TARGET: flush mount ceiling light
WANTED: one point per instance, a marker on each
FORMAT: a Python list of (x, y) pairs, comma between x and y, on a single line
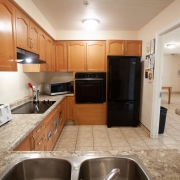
[(171, 45), (90, 23)]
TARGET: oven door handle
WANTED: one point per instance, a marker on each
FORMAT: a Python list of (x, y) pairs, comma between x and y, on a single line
[(89, 79)]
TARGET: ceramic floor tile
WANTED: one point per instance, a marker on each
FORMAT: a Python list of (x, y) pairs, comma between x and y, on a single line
[(84, 148), (120, 143), (139, 147), (101, 143), (153, 142), (137, 143), (71, 128)]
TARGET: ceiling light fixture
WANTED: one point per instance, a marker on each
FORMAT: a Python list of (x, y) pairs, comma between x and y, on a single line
[(171, 45), (90, 23)]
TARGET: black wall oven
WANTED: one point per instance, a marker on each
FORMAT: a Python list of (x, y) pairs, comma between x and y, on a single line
[(90, 87)]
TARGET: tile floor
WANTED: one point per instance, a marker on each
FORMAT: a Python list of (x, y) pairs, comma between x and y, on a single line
[(95, 138)]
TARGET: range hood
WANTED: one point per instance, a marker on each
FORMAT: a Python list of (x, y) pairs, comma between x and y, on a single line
[(26, 57)]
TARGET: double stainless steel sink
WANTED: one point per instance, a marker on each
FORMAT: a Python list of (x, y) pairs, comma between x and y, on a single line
[(75, 168)]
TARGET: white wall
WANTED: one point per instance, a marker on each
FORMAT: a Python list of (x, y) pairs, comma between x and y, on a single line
[(59, 77), (36, 15), (96, 35), (171, 66), (14, 85), (148, 32)]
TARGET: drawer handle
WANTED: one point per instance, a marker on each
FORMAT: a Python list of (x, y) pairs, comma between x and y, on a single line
[(40, 141), (39, 129), (33, 148)]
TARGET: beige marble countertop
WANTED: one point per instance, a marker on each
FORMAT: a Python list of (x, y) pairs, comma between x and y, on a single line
[(13, 132), (161, 164)]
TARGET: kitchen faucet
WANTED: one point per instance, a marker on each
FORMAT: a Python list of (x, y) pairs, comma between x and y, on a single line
[(114, 173), (35, 93)]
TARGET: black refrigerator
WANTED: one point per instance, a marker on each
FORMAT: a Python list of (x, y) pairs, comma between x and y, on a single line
[(124, 81)]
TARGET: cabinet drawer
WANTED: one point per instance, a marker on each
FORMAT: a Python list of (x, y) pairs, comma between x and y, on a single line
[(39, 141), (37, 131), (50, 116)]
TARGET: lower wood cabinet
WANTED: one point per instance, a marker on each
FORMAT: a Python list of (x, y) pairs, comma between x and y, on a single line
[(41, 139), (45, 135), (90, 114), (69, 107), (26, 144)]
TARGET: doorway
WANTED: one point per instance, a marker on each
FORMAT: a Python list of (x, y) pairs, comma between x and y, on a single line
[(158, 74)]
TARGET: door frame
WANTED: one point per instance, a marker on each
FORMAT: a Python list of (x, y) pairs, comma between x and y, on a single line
[(158, 74)]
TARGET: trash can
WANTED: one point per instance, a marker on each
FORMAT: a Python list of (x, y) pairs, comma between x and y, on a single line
[(162, 119)]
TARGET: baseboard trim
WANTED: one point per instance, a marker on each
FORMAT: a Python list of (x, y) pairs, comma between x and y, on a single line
[(144, 128)]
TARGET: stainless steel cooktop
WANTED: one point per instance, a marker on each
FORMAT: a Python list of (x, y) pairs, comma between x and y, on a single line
[(32, 107)]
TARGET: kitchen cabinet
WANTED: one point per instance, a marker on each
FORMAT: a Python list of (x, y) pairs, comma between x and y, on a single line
[(7, 37), (61, 56), (76, 55), (124, 47), (27, 33), (69, 108), (26, 144), (39, 142), (96, 56), (86, 55), (90, 114), (53, 61), (47, 67), (49, 135)]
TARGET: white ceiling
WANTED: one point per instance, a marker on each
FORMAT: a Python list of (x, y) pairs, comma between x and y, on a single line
[(125, 15), (172, 37)]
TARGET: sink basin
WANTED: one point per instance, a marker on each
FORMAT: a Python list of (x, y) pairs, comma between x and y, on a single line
[(32, 107), (40, 169), (97, 169), (34, 167)]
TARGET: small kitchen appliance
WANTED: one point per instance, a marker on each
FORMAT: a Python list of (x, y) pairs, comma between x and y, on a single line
[(5, 114), (56, 88)]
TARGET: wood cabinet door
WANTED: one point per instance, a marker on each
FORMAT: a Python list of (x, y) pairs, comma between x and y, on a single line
[(115, 47), (69, 108), (26, 144), (42, 45), (34, 38), (22, 30), (53, 61), (96, 56), (7, 37), (76, 56), (133, 48), (49, 136), (61, 56)]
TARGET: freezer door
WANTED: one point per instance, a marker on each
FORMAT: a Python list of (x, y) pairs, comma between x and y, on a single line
[(123, 114), (124, 78)]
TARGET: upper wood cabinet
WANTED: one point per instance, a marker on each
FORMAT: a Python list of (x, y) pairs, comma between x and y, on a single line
[(42, 45), (96, 56), (61, 56), (76, 55), (133, 48), (86, 56), (48, 56), (27, 33), (53, 60), (124, 47), (7, 37)]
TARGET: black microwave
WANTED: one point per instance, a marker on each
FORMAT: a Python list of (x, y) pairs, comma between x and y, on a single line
[(56, 88)]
